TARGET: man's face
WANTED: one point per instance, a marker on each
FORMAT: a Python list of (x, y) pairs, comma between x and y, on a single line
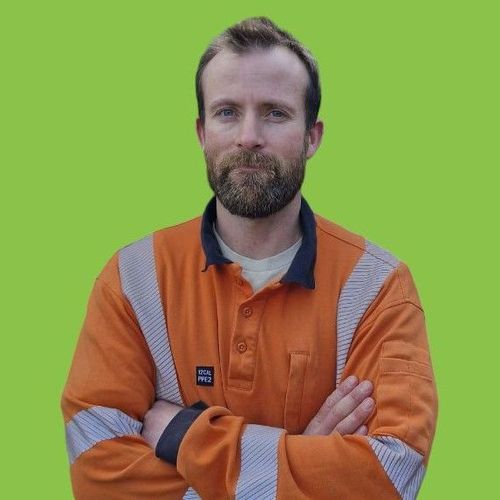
[(254, 137)]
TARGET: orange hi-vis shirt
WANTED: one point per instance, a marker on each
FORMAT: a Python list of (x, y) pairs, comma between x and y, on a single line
[(171, 318)]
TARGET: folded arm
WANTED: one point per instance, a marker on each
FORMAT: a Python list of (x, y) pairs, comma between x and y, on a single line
[(110, 388)]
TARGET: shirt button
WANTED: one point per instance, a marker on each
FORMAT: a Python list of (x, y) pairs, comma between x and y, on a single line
[(247, 312), (242, 347)]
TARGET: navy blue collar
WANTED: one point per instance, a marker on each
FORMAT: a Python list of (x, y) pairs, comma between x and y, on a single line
[(301, 270)]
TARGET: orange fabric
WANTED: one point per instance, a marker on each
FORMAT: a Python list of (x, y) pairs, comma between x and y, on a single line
[(274, 356)]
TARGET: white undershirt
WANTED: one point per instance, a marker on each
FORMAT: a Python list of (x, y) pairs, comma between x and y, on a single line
[(260, 272)]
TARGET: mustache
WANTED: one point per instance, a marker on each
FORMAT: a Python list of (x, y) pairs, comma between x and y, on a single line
[(253, 158)]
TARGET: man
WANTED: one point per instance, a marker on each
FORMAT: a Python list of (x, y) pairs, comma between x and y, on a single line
[(235, 355)]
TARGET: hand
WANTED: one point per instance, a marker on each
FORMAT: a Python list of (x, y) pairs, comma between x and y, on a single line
[(345, 409), (156, 419)]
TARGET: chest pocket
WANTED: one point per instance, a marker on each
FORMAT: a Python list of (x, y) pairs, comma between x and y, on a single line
[(295, 391)]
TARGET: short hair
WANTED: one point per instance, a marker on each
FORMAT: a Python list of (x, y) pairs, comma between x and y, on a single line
[(261, 32)]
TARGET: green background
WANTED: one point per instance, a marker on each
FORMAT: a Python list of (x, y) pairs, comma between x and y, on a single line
[(98, 149)]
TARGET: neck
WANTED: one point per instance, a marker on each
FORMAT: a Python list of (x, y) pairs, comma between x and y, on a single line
[(260, 238)]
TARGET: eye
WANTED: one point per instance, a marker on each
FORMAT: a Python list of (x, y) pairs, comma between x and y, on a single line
[(276, 113), (225, 112)]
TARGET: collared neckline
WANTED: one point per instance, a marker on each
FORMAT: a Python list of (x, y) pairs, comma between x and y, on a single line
[(301, 270)]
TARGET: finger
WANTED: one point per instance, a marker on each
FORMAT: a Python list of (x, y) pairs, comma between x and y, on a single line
[(350, 402), (361, 431), (319, 423), (342, 390), (356, 418)]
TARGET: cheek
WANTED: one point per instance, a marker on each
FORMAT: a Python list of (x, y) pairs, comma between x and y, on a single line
[(213, 153), (216, 144), (291, 145), (219, 134)]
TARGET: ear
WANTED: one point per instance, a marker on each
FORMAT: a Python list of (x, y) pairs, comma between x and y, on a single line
[(200, 132), (314, 138)]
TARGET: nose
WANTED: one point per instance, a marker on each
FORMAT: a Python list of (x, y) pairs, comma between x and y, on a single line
[(250, 133)]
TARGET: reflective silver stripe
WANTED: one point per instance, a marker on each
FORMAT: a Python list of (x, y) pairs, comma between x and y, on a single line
[(191, 495), (259, 463), (96, 424), (358, 293), (403, 464), (140, 286)]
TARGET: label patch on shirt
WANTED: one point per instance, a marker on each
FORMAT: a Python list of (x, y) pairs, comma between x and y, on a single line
[(204, 375)]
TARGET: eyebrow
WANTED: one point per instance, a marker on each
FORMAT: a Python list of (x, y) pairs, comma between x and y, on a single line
[(266, 104)]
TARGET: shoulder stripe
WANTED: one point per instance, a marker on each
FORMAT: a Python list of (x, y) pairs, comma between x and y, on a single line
[(140, 286), (359, 291), (259, 463), (96, 424), (402, 464)]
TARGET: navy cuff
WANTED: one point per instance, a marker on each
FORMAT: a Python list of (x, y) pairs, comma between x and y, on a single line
[(169, 443)]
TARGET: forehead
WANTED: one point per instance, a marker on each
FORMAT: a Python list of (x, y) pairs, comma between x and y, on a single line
[(262, 74)]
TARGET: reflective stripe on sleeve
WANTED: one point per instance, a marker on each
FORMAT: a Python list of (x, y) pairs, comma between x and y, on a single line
[(359, 291), (259, 463), (191, 495), (140, 286), (96, 424), (402, 464)]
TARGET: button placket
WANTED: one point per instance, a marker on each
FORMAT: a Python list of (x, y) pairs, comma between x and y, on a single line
[(244, 343)]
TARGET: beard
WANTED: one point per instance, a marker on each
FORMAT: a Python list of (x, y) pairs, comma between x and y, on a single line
[(258, 192)]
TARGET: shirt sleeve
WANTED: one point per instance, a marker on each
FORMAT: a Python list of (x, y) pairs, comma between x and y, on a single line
[(109, 389), (223, 456)]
